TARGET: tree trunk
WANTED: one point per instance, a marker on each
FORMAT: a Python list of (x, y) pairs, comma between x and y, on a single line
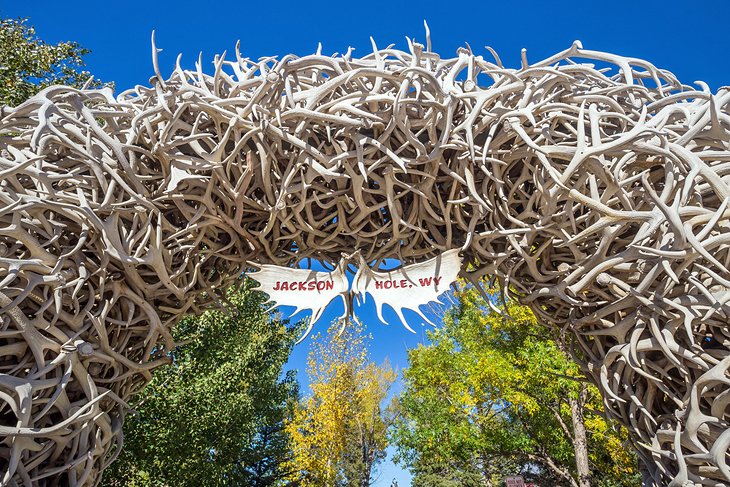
[(367, 464), (580, 439), (548, 462)]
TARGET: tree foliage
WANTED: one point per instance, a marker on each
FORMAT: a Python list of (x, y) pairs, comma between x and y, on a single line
[(339, 433), (29, 64), (215, 417), (491, 397)]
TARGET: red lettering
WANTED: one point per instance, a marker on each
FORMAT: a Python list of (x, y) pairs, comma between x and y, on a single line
[(403, 283), (277, 286), (320, 286), (388, 284), (425, 281), (284, 286), (378, 284), (311, 285), (302, 286), (329, 285), (437, 280)]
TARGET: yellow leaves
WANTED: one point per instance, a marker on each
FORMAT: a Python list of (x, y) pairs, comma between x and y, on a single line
[(344, 408), (501, 382), (620, 458)]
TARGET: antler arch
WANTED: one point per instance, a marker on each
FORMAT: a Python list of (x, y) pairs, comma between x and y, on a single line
[(598, 195)]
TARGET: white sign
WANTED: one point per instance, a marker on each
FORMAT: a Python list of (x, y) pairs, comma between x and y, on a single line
[(408, 287), (302, 288), (405, 288)]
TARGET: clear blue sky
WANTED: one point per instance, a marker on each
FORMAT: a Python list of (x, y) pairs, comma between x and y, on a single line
[(690, 39)]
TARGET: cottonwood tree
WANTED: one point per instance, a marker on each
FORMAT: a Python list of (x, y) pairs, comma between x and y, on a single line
[(339, 432), (29, 64), (215, 417), (493, 396)]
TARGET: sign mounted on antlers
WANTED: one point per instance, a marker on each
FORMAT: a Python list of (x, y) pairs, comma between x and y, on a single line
[(595, 187), (407, 287)]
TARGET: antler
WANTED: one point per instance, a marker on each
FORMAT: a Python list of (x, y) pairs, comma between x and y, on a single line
[(597, 196)]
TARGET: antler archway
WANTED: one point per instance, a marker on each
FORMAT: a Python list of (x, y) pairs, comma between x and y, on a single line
[(597, 193)]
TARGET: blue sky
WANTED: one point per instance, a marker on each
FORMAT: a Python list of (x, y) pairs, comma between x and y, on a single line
[(689, 39)]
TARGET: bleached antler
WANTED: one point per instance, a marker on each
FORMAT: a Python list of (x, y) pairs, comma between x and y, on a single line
[(597, 196)]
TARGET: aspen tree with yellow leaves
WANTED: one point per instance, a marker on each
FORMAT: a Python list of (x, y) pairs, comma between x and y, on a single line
[(339, 432)]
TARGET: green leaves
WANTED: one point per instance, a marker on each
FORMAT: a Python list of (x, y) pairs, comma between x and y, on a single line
[(215, 417), (490, 398), (28, 64)]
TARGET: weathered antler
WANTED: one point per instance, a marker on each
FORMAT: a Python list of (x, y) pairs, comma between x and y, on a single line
[(598, 196)]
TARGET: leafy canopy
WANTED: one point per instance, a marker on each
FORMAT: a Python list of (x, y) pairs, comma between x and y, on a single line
[(489, 398), (215, 417), (29, 64), (339, 432)]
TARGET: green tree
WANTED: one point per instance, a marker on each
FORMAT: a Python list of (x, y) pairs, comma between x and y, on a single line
[(339, 433), (28, 64), (494, 396), (215, 417)]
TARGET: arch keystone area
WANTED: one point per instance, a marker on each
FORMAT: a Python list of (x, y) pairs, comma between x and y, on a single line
[(598, 197)]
